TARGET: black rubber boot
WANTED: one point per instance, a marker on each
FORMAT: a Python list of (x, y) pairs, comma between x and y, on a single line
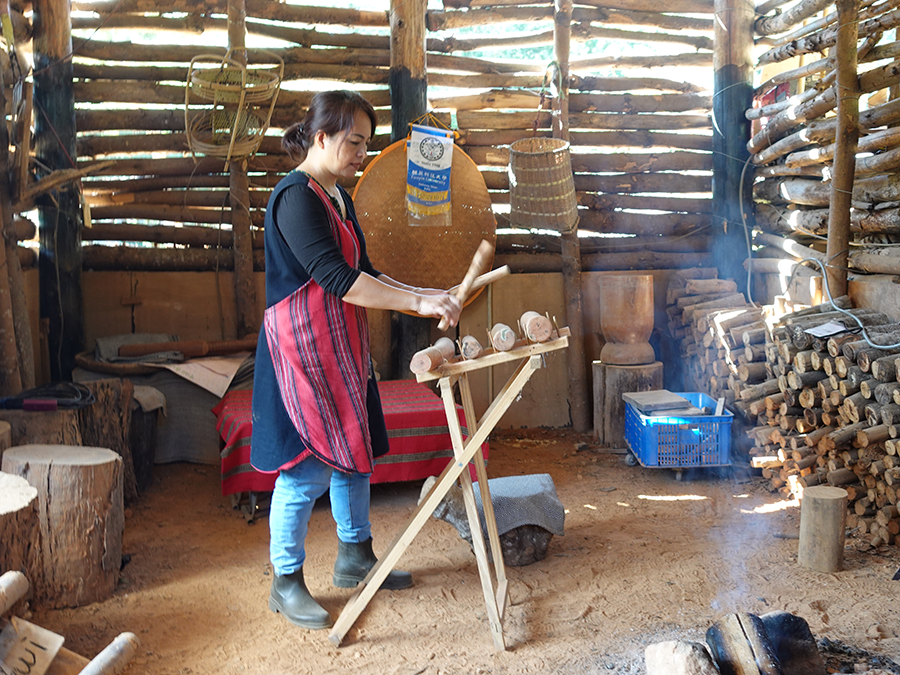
[(354, 562), (290, 597)]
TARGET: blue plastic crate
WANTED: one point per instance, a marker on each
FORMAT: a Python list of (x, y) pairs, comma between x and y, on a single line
[(674, 442)]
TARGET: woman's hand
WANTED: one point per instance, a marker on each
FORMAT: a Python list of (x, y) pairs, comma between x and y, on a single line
[(440, 305)]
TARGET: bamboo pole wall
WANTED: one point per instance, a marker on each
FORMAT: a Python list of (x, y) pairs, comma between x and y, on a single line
[(640, 136), (803, 180)]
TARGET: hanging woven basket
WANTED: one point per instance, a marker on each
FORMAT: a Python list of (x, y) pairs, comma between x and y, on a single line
[(226, 133), (226, 80), (541, 185), (242, 98)]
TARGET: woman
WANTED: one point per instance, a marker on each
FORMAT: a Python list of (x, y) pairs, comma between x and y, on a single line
[(317, 418)]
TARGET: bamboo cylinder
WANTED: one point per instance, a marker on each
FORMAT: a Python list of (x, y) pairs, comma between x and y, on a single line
[(536, 327), (823, 513), (470, 347), (431, 357), (502, 337)]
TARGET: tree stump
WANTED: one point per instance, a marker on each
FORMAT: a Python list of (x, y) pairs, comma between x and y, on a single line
[(20, 529), (823, 516), (81, 515), (610, 382)]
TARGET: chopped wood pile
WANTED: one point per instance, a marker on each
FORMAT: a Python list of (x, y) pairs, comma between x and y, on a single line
[(828, 412), (709, 317), (796, 135)]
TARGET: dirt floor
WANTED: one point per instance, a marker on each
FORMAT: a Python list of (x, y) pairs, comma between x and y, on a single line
[(645, 558)]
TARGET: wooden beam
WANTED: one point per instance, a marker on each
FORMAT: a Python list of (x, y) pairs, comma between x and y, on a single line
[(732, 76), (837, 250), (408, 81)]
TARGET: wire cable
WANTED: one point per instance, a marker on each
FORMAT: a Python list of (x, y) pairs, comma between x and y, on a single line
[(864, 334), (54, 396)]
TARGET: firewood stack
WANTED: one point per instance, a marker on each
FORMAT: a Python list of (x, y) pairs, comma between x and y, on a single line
[(709, 317), (829, 413)]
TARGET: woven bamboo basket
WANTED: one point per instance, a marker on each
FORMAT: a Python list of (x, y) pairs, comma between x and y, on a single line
[(541, 185), (226, 133), (226, 80)]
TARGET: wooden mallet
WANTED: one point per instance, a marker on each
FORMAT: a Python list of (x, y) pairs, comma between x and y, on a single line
[(480, 260)]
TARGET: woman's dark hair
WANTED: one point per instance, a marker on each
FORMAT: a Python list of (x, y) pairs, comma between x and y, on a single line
[(329, 111)]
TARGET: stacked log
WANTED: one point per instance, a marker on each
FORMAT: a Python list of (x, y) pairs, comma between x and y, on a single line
[(794, 141), (827, 414), (713, 322)]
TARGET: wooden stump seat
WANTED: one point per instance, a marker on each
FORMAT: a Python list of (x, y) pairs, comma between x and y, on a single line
[(81, 518)]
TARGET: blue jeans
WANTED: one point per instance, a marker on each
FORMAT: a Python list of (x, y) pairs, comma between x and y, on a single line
[(295, 494)]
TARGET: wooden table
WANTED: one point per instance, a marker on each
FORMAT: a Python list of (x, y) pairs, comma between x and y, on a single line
[(465, 450)]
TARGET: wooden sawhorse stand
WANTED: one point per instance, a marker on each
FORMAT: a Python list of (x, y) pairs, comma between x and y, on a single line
[(464, 451)]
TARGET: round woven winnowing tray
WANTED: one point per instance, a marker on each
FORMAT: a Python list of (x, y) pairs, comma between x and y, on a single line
[(433, 256)]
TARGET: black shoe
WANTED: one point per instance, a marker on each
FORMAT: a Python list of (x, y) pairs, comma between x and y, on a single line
[(354, 562), (290, 597)]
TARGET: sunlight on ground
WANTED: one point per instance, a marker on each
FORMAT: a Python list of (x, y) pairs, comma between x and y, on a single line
[(673, 498), (783, 505)]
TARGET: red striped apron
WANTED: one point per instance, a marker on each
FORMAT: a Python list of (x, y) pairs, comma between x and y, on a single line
[(320, 349)]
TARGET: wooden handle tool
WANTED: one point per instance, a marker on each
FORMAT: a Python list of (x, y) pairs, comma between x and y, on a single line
[(480, 260), (190, 348)]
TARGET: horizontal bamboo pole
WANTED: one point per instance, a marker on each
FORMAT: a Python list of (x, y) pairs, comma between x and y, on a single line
[(638, 260), (626, 201), (163, 234), (441, 21), (584, 32), (530, 243), (609, 162), (130, 258), (529, 81), (491, 41), (524, 120), (623, 139), (675, 6), (625, 222), (588, 83), (651, 182), (168, 212), (685, 60), (194, 198), (637, 103), (605, 15)]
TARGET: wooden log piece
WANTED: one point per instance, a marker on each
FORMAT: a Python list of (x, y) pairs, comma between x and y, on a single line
[(431, 357), (470, 347), (13, 587), (81, 514), (536, 327), (823, 513), (738, 642), (502, 337), (20, 530)]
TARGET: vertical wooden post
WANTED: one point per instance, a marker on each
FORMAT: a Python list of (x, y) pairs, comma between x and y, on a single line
[(579, 393), (10, 377), (59, 215), (409, 90), (837, 249), (732, 96), (239, 184)]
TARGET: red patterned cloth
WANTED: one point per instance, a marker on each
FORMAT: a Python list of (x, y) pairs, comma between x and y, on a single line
[(417, 429)]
